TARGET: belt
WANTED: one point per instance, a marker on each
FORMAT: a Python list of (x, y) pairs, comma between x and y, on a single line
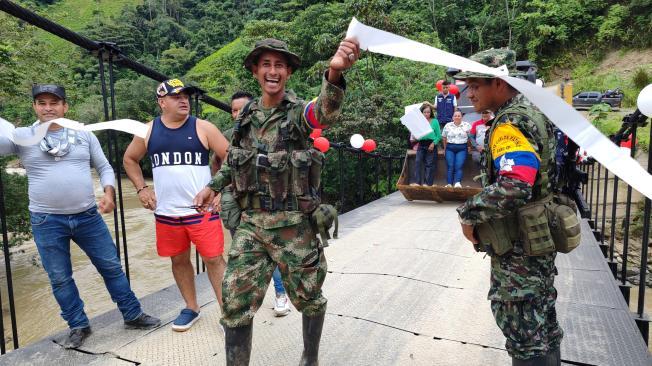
[(184, 220), (266, 203)]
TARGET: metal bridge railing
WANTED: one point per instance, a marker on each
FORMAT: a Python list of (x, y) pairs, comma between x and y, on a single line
[(602, 192)]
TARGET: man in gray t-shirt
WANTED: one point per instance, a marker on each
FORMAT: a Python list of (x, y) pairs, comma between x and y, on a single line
[(62, 208)]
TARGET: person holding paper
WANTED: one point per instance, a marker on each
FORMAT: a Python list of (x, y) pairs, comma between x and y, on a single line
[(427, 149), (275, 175), (178, 146), (62, 208), (518, 158)]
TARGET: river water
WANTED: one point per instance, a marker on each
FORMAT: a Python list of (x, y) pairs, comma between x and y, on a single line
[(36, 309)]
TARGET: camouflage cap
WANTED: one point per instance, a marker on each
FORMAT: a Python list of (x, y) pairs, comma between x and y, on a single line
[(274, 45), (492, 58)]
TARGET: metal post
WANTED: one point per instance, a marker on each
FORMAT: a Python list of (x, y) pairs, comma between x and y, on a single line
[(584, 190), (10, 284), (389, 175), (642, 321), (196, 260), (100, 56), (360, 196), (604, 247), (613, 265), (118, 167), (624, 287), (340, 159), (377, 160), (604, 206), (590, 193), (596, 232), (197, 114)]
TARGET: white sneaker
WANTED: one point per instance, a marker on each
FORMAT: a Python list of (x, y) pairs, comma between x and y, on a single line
[(448, 186), (457, 185), (281, 305)]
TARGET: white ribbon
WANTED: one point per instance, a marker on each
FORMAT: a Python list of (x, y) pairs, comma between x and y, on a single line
[(27, 136), (570, 121)]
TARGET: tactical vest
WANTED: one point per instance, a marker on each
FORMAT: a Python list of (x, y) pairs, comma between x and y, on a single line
[(282, 176), (527, 226)]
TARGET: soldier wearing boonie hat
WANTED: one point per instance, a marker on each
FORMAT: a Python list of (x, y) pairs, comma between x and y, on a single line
[(275, 175), (516, 166)]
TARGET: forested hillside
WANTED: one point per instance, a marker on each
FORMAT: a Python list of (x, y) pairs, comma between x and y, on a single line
[(205, 41)]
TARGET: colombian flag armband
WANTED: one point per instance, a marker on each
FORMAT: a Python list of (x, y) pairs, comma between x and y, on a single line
[(512, 154), (310, 115)]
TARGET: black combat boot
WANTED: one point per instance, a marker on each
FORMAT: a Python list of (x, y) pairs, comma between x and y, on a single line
[(237, 342), (312, 326), (535, 361)]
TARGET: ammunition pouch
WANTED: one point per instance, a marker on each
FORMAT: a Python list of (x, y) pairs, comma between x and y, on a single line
[(533, 228), (301, 162), (496, 236), (231, 211), (277, 181), (243, 165), (564, 224)]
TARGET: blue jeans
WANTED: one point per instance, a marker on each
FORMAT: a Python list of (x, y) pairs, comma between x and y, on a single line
[(455, 156), (430, 160), (52, 234), (278, 283)]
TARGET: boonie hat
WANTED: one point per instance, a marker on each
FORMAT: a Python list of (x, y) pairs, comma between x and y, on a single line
[(53, 89), (493, 58), (173, 87), (271, 44)]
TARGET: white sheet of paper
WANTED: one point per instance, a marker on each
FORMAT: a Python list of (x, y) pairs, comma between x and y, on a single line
[(416, 123), (412, 106), (571, 122)]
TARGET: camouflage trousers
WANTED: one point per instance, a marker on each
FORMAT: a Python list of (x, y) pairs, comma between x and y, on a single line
[(523, 300), (254, 254)]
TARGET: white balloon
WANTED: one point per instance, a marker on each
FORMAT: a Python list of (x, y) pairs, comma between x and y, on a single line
[(644, 101), (357, 140)]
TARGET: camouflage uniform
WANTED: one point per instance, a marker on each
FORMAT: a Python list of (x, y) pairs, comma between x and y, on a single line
[(522, 294), (275, 230)]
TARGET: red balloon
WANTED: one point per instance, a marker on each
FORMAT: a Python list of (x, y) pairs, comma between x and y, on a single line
[(322, 144), (454, 89), (315, 133), (439, 84), (369, 145)]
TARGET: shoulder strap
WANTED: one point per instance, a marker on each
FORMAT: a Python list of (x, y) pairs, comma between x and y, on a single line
[(238, 127)]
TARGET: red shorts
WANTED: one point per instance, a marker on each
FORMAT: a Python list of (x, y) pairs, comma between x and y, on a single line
[(174, 234)]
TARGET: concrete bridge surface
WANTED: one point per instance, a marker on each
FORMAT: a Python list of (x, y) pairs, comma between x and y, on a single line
[(404, 288)]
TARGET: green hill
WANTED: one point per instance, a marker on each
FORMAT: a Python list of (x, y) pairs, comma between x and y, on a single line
[(75, 15)]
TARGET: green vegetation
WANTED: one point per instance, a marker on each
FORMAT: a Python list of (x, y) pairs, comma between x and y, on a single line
[(585, 77), (206, 40)]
